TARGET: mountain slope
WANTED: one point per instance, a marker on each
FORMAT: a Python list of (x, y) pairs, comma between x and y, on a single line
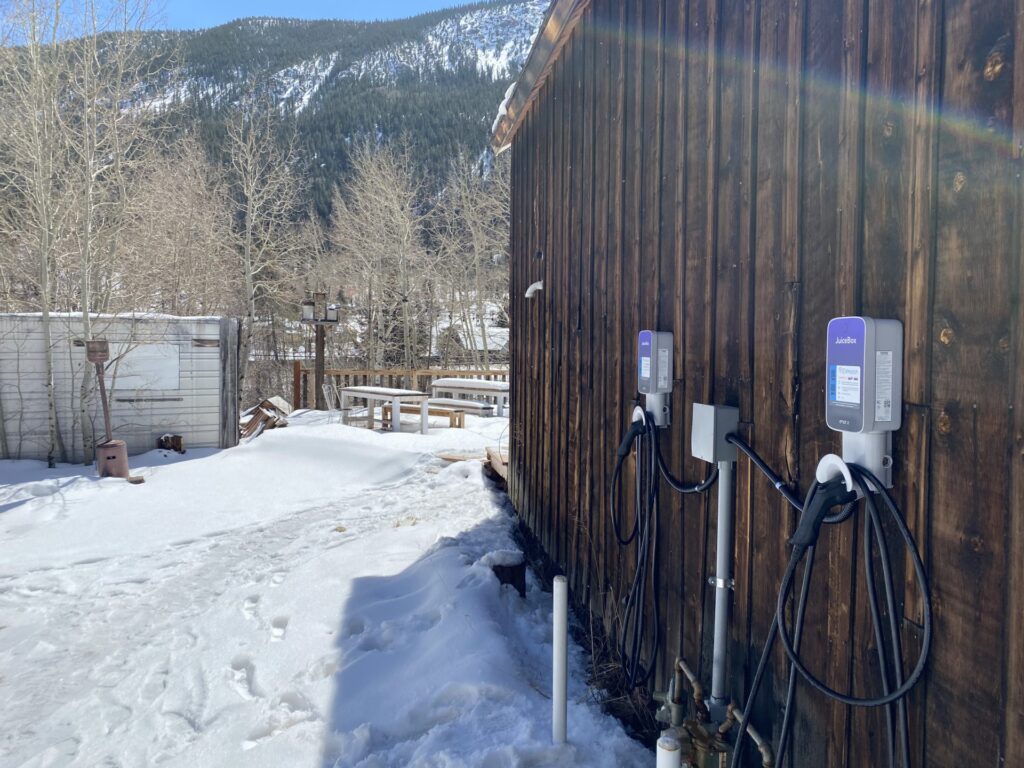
[(435, 79)]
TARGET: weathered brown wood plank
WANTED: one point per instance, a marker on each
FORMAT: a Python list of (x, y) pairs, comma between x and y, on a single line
[(696, 323), (585, 325), (599, 452), (626, 319), (1013, 726), (774, 332), (558, 301), (734, 269), (830, 245), (1018, 83), (746, 249), (670, 304), (544, 305), (888, 163), (516, 219), (617, 166), (649, 295), (538, 271), (575, 514), (970, 379)]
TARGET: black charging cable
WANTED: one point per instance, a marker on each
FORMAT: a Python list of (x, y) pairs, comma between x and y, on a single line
[(780, 484), (643, 434), (814, 513), (643, 533), (678, 485), (767, 471)]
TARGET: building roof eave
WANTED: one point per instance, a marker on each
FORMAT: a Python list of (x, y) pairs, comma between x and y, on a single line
[(555, 31)]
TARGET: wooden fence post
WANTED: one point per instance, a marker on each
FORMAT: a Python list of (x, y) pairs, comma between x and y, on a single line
[(296, 383)]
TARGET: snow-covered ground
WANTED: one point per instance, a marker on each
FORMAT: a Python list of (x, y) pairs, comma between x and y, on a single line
[(318, 597)]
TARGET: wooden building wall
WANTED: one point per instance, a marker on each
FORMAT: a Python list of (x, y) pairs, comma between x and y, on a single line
[(738, 173)]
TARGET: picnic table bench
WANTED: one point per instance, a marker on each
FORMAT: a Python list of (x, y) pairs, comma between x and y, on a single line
[(474, 387), (454, 411), (387, 395)]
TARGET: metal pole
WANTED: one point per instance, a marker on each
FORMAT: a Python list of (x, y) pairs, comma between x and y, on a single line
[(106, 405), (318, 381), (723, 584)]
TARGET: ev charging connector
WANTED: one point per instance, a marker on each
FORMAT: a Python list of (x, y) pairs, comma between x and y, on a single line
[(654, 373), (864, 401)]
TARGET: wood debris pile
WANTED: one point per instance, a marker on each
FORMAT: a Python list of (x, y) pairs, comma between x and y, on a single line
[(271, 413)]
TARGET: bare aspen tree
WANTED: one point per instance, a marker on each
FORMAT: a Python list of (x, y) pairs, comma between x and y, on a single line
[(265, 190), (74, 141), (176, 253), (470, 231), (110, 141), (33, 82), (378, 231)]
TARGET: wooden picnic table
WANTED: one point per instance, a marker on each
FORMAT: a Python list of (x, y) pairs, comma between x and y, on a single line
[(478, 387), (387, 395)]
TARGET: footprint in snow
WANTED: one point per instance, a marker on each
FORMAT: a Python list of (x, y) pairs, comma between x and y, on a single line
[(42, 489), (277, 578), (322, 668), (290, 709), (243, 677), (250, 606), (278, 627)]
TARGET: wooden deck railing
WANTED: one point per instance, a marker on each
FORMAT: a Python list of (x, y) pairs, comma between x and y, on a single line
[(418, 379)]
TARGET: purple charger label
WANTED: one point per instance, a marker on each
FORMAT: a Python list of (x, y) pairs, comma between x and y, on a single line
[(646, 341), (846, 341)]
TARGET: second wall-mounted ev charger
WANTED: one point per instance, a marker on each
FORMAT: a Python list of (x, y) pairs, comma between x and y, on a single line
[(654, 373)]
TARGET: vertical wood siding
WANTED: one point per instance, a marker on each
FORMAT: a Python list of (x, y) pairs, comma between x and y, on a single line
[(738, 173)]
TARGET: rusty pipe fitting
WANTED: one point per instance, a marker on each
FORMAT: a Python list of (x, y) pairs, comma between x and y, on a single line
[(733, 715), (682, 670)]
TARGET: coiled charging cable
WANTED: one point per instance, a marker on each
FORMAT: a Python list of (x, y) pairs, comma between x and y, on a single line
[(814, 513), (644, 533)]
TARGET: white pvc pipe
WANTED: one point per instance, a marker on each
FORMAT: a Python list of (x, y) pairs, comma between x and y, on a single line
[(670, 754), (559, 666)]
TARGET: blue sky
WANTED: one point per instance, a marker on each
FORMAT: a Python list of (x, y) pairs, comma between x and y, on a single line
[(195, 14)]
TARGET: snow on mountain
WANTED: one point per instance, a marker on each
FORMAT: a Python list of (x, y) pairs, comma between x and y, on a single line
[(494, 41), (298, 84)]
